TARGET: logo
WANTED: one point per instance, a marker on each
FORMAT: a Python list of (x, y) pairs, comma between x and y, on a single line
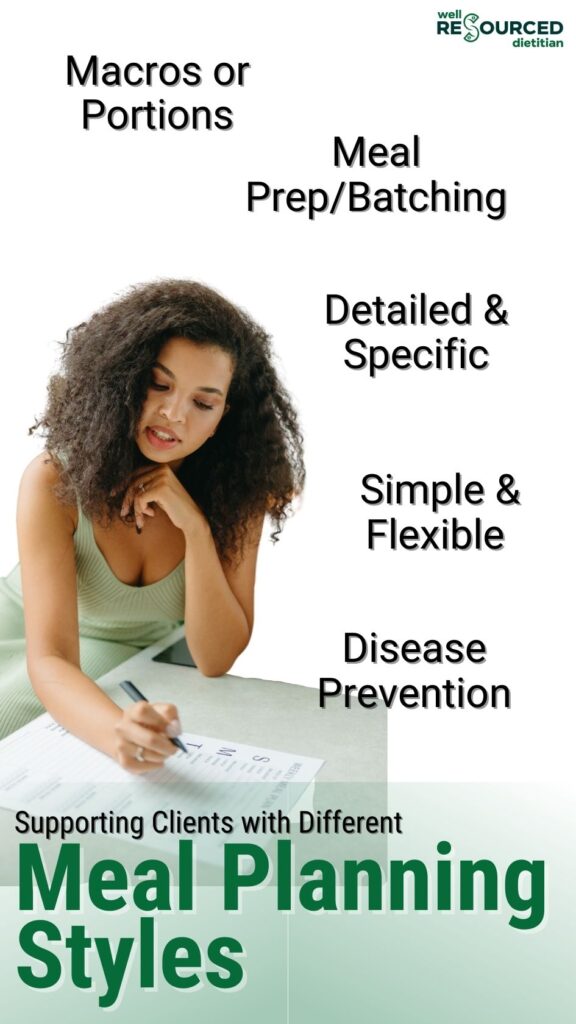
[(471, 27)]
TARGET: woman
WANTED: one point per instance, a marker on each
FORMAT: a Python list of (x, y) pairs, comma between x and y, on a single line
[(168, 438)]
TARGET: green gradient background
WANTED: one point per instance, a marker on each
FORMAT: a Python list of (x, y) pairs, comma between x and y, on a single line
[(411, 968)]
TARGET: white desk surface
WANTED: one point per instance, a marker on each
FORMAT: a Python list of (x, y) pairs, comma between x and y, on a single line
[(283, 716)]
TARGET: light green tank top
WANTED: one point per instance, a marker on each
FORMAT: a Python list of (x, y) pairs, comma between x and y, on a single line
[(111, 610)]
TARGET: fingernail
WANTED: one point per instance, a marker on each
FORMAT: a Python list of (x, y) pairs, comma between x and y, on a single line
[(138, 528), (174, 728)]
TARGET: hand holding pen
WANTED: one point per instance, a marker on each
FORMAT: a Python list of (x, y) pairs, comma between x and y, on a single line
[(146, 733)]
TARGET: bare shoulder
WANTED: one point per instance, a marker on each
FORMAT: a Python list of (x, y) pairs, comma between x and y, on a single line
[(37, 496)]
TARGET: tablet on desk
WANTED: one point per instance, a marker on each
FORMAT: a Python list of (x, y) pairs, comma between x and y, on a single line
[(176, 654)]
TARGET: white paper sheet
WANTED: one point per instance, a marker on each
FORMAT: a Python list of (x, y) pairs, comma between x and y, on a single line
[(45, 770)]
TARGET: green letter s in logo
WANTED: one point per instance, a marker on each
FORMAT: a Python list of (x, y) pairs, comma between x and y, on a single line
[(469, 23)]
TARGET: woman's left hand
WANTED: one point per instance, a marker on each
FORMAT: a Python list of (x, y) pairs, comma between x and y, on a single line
[(158, 486)]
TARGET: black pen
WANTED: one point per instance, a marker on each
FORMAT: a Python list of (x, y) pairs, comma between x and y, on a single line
[(135, 694)]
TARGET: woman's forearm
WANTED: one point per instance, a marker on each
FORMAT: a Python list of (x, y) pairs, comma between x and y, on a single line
[(139, 738), (217, 629), (76, 701)]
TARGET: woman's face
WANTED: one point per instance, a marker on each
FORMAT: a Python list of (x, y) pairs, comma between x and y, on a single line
[(185, 402)]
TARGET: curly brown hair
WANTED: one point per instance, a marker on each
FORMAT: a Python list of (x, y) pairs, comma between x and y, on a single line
[(252, 465)]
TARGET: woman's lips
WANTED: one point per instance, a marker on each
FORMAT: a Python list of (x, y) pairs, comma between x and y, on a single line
[(160, 438)]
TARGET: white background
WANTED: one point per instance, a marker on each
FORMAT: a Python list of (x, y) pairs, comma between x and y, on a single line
[(89, 213)]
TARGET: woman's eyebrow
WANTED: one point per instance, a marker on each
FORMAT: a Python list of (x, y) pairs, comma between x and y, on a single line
[(206, 390), (160, 366)]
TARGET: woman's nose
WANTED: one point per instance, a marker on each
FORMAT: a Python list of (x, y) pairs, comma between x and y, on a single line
[(172, 408)]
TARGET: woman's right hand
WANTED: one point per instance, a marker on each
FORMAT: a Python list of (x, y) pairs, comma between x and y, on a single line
[(143, 736)]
